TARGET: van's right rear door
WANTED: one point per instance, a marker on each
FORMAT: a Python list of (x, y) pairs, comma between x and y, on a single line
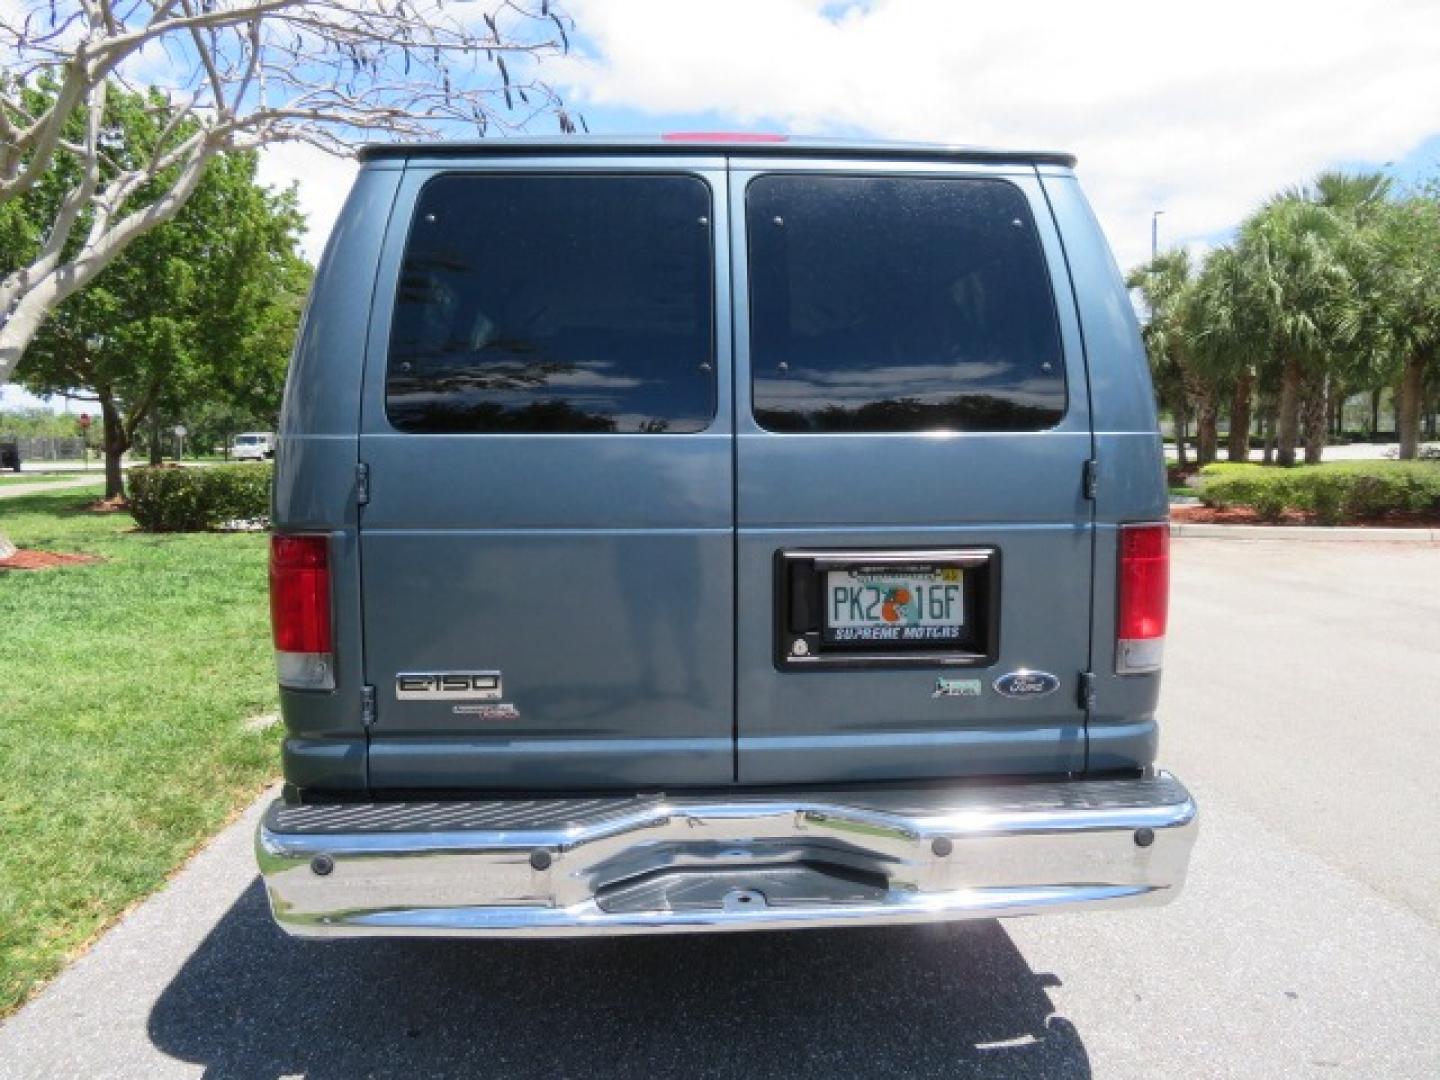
[(914, 540)]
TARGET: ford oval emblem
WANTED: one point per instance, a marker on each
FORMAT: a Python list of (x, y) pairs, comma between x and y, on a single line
[(1025, 683)]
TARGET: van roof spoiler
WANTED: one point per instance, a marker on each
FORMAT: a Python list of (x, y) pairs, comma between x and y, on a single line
[(733, 144)]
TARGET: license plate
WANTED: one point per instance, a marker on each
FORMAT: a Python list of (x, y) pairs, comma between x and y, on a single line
[(895, 603)]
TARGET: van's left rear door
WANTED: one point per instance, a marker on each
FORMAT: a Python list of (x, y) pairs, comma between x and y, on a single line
[(548, 548)]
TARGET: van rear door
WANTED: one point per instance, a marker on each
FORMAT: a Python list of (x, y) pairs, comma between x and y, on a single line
[(914, 540), (547, 549)]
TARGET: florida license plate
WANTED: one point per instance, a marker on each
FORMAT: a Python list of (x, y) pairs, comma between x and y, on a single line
[(895, 603)]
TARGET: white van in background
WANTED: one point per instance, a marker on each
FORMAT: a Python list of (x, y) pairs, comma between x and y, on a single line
[(253, 446)]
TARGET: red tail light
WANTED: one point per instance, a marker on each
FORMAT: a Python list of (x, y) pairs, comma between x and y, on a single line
[(300, 611), (1144, 587)]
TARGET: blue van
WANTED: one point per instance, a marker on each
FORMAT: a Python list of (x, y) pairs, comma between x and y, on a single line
[(717, 533)]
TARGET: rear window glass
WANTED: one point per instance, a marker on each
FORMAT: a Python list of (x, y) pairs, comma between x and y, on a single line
[(887, 304), (555, 304)]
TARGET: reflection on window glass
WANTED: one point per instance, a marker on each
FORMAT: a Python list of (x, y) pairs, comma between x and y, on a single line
[(555, 304), (899, 304)]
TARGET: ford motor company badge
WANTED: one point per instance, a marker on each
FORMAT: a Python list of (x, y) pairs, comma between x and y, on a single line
[(1026, 683)]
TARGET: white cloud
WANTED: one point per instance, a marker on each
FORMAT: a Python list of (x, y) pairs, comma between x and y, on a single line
[(1199, 109), (324, 181)]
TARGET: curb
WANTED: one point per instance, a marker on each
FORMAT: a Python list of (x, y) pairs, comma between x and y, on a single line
[(1304, 533)]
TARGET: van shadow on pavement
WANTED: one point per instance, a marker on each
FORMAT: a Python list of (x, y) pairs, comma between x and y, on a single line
[(948, 1001)]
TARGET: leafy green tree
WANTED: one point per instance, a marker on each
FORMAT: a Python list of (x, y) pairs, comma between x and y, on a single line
[(200, 308), (36, 423)]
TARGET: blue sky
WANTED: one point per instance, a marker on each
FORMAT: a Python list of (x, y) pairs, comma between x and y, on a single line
[(1420, 165)]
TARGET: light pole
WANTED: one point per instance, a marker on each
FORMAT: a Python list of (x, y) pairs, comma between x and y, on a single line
[(1155, 234)]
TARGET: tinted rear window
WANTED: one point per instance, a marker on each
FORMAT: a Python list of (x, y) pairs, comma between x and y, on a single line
[(882, 304), (555, 304)]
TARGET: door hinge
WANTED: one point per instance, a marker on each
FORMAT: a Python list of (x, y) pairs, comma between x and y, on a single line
[(362, 483), (1087, 690), (367, 705), (1090, 478)]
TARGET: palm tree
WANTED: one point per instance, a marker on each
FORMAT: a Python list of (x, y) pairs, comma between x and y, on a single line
[(1165, 285), (1228, 337), (1403, 299), (1360, 197), (1299, 282), (1361, 201)]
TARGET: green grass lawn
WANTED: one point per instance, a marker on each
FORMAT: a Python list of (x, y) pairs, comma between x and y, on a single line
[(124, 690)]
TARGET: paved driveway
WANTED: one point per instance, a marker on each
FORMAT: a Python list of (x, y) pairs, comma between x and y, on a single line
[(1302, 703)]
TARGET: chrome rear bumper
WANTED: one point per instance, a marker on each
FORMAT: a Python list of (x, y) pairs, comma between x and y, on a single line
[(656, 863)]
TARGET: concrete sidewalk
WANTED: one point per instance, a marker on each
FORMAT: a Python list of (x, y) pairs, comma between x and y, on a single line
[(1333, 451), (94, 1019), (14, 491), (1333, 534)]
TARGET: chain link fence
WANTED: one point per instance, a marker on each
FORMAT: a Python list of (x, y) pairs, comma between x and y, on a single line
[(39, 448)]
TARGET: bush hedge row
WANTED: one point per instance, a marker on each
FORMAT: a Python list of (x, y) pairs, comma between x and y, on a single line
[(1337, 493), (170, 499)]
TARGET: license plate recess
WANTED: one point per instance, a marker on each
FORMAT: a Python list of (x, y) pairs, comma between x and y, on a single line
[(918, 607)]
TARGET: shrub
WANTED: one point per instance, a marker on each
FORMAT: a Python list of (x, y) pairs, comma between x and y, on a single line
[(1225, 468), (1336, 493), (170, 499)]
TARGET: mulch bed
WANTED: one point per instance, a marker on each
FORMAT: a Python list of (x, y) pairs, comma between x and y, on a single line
[(1240, 515), (107, 506), (44, 560)]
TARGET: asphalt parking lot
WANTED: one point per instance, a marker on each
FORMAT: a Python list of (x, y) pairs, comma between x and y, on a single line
[(1301, 704)]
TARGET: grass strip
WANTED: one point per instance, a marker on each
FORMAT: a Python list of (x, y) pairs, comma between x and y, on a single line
[(124, 690)]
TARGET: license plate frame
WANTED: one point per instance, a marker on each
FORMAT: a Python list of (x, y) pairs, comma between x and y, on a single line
[(807, 640)]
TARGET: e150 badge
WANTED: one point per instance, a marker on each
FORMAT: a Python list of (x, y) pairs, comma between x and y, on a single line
[(448, 686)]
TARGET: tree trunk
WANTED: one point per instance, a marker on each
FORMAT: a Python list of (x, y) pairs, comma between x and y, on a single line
[(1182, 421), (115, 444), (1206, 427), (1239, 448), (1288, 434), (1315, 418), (1267, 425), (1407, 409), (155, 456), (1375, 412)]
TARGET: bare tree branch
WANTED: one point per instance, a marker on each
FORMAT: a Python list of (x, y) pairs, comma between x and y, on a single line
[(238, 74)]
